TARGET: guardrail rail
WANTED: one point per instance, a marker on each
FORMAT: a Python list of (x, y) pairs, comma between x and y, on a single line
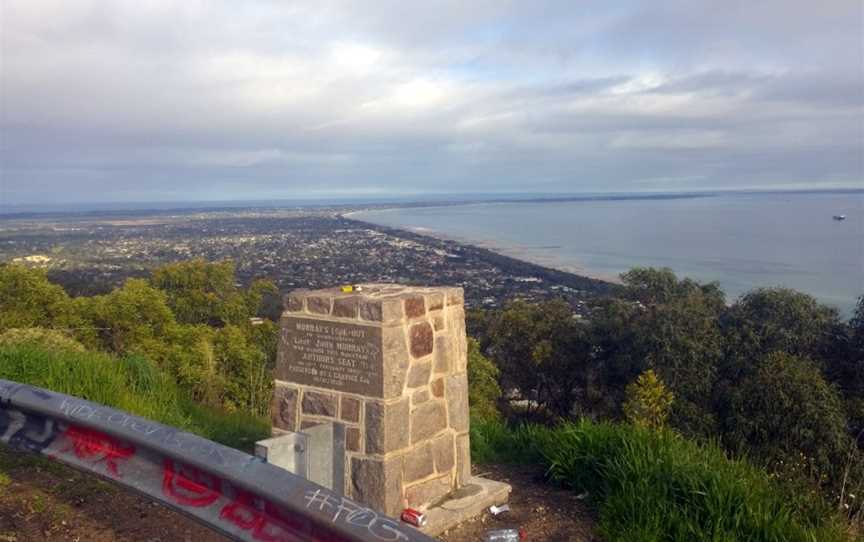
[(234, 493)]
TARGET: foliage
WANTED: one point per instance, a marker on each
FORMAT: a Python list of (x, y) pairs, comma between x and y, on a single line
[(657, 485), (200, 292), (132, 384), (483, 389), (648, 401), (191, 320), (247, 383), (542, 352), (28, 300), (48, 339), (774, 320), (784, 410)]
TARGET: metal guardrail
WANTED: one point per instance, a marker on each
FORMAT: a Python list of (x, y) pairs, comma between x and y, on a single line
[(234, 493)]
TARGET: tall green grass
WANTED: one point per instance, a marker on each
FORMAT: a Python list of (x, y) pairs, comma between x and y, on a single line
[(658, 486), (132, 384)]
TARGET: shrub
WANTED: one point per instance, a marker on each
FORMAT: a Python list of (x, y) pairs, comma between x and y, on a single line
[(47, 339), (483, 389), (132, 384), (648, 401), (657, 485), (785, 410)]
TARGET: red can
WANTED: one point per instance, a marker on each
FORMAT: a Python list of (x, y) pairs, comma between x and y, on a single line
[(414, 517)]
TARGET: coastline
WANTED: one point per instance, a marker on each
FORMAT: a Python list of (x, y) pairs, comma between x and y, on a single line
[(517, 253), (508, 253)]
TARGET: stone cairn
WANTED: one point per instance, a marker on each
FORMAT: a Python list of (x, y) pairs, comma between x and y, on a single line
[(389, 363)]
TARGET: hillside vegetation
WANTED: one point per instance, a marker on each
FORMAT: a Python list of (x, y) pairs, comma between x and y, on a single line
[(775, 379), (678, 416)]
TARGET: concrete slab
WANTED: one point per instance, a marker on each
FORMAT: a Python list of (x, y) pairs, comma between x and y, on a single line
[(465, 503)]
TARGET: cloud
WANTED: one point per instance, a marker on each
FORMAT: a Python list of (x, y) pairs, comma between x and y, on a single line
[(147, 100)]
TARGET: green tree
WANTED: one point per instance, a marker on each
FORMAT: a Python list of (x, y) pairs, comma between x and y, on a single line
[(672, 327), (132, 319), (648, 401), (247, 382), (785, 410), (200, 292), (28, 299), (483, 389), (775, 320), (651, 286), (543, 353)]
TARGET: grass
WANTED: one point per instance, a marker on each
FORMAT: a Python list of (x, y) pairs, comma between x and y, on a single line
[(658, 486), (132, 384)]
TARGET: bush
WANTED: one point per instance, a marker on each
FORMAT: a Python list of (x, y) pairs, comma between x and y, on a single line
[(785, 411), (483, 389), (132, 384), (657, 485), (47, 339), (648, 401)]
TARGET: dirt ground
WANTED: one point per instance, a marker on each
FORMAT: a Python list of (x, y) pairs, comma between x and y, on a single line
[(44, 501)]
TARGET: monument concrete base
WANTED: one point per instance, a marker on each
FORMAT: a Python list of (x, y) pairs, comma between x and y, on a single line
[(469, 501)]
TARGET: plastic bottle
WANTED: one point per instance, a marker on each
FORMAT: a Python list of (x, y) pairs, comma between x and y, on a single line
[(504, 535)]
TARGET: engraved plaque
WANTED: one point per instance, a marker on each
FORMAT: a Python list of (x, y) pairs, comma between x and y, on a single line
[(333, 355)]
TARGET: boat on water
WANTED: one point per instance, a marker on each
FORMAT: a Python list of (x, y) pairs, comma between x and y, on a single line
[(839, 217)]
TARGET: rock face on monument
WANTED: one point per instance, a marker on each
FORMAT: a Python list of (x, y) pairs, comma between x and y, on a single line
[(389, 362)]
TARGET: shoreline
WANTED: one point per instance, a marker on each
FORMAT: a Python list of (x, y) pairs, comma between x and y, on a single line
[(515, 254)]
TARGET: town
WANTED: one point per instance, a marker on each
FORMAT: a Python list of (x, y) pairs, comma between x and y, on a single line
[(296, 248)]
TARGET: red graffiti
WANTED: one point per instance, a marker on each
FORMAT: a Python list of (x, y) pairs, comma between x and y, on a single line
[(94, 446), (189, 486), (267, 525)]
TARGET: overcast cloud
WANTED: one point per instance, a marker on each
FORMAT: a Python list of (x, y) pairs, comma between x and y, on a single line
[(197, 100)]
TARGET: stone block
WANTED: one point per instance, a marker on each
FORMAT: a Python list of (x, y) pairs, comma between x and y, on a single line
[(395, 360), (419, 374), (418, 463), (436, 301), (370, 310), (443, 451), (456, 296), (443, 353), (350, 411), (438, 387), (293, 302), (420, 396), (353, 439), (386, 425), (421, 340), (306, 424), (463, 459), (415, 307), (381, 310), (319, 404), (427, 492), (457, 401), (283, 409), (377, 483), (427, 420), (438, 322), (318, 304), (345, 307)]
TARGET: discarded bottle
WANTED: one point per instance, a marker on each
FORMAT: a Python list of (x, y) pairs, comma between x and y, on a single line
[(504, 535)]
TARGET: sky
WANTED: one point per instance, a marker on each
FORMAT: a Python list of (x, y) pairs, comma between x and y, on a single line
[(161, 100)]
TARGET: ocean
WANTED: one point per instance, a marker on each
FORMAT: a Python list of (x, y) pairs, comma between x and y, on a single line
[(741, 240)]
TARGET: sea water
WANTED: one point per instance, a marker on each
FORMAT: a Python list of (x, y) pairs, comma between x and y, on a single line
[(742, 240)]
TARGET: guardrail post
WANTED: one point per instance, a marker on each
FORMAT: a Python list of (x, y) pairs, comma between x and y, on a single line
[(317, 453)]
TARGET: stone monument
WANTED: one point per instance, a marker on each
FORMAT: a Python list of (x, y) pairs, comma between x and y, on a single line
[(389, 363)]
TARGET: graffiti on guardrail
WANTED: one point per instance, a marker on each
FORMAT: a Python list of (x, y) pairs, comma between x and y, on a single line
[(226, 489)]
